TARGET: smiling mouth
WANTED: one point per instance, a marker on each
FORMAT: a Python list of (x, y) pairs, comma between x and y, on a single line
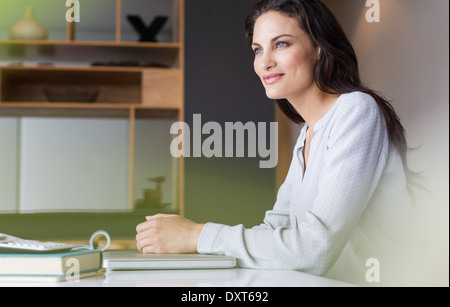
[(272, 78)]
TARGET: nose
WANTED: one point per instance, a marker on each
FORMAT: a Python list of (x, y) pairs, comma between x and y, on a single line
[(267, 61)]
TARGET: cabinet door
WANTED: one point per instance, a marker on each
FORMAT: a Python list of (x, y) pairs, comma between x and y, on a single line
[(74, 164), (8, 163), (162, 88)]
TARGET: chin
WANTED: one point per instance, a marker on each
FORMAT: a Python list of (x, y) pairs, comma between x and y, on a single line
[(274, 96), (275, 92)]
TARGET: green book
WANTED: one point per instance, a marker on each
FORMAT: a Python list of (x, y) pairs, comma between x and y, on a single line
[(78, 263)]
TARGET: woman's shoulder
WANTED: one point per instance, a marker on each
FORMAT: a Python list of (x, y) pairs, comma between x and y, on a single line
[(356, 114), (357, 105), (356, 108), (358, 101)]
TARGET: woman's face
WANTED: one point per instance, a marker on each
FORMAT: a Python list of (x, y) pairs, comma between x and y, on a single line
[(285, 58)]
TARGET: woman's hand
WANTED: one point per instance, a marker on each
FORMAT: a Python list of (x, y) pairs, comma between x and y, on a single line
[(167, 233)]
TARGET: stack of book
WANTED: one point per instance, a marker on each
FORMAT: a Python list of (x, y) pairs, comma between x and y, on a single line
[(66, 266)]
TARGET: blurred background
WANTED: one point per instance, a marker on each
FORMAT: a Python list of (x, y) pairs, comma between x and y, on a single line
[(404, 56)]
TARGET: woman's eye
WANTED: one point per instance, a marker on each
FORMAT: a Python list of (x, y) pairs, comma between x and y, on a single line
[(282, 44), (257, 50)]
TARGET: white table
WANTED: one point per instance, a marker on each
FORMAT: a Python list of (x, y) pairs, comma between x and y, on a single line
[(197, 278)]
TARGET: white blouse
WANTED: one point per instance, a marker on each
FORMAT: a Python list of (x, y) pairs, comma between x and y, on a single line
[(351, 204)]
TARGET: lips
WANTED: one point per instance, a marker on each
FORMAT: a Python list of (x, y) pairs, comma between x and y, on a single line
[(272, 78)]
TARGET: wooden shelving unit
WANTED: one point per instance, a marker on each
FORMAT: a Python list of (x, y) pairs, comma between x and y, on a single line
[(175, 45), (154, 90)]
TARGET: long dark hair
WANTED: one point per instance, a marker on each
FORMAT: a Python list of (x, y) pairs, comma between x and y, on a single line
[(337, 70)]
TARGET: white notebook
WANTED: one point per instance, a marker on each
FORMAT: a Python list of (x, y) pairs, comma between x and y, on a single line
[(134, 260)]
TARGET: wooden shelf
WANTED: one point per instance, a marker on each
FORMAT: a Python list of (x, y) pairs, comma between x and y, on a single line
[(152, 87), (75, 105), (86, 68), (84, 110), (129, 92), (91, 43)]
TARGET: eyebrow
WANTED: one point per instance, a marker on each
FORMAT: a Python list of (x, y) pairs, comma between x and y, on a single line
[(274, 39)]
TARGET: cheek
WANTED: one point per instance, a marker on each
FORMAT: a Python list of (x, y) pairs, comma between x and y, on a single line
[(256, 67), (295, 59), (301, 65)]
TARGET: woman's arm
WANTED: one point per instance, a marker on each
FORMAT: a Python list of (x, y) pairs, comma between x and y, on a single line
[(353, 164), (164, 233)]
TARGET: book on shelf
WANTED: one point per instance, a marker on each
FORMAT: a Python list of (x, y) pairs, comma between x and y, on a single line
[(52, 266)]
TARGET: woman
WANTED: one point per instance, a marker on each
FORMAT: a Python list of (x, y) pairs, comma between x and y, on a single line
[(345, 200)]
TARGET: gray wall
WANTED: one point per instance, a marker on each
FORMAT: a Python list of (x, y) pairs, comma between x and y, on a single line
[(222, 86), (405, 57)]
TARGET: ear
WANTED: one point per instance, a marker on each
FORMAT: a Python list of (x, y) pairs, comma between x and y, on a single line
[(319, 51)]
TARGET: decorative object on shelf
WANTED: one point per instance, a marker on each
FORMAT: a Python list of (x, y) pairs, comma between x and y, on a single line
[(147, 34), (28, 28), (130, 63), (71, 94), (152, 197)]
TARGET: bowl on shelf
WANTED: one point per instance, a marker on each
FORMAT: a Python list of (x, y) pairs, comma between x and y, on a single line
[(71, 94)]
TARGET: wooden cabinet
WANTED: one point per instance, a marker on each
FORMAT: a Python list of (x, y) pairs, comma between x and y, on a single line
[(115, 78)]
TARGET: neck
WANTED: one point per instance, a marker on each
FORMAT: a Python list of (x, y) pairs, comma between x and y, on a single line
[(312, 105)]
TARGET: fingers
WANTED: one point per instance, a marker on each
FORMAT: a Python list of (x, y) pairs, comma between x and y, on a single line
[(150, 243), (167, 233), (159, 215), (152, 221), (150, 234), (148, 248), (143, 227), (147, 235), (142, 242), (144, 235)]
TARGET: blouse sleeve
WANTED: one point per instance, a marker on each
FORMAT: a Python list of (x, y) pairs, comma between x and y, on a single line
[(279, 215), (357, 147), (275, 218)]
